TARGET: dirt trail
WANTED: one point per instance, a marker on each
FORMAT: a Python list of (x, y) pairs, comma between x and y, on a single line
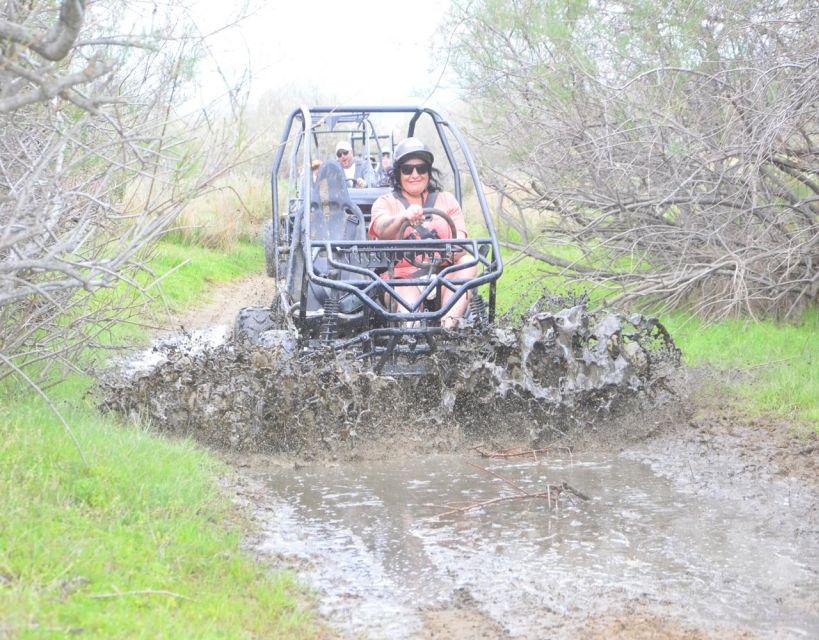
[(223, 303), (696, 440)]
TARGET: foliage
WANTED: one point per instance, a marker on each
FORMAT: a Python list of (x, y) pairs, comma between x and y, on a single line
[(771, 367), (96, 164), (680, 136)]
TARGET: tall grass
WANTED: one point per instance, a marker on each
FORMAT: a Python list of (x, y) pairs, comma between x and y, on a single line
[(231, 210)]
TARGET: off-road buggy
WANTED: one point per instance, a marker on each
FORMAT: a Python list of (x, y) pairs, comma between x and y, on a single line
[(335, 286), (293, 387)]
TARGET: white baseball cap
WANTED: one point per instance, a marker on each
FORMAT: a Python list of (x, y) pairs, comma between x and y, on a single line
[(343, 145)]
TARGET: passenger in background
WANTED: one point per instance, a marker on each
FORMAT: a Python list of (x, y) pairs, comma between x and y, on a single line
[(358, 171), (385, 170)]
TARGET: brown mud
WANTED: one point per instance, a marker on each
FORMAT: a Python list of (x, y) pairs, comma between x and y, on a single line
[(696, 411), (556, 375), (258, 410)]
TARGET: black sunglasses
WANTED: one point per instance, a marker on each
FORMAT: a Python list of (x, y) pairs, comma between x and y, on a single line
[(422, 169), (341, 152)]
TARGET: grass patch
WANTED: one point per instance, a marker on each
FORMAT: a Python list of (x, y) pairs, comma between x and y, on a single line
[(526, 279), (143, 518), (770, 367), (186, 273), (138, 542), (231, 211), (195, 269)]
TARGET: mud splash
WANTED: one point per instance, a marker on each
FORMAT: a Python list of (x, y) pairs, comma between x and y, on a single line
[(533, 381)]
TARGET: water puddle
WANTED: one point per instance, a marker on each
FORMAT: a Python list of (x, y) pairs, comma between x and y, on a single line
[(368, 540)]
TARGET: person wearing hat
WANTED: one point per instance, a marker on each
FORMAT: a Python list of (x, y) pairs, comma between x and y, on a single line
[(357, 170), (415, 186), (384, 171)]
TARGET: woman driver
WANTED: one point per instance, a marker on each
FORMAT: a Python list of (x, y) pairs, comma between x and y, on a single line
[(415, 187)]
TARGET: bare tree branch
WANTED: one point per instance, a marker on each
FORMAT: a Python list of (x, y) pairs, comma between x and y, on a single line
[(683, 168), (47, 88), (95, 164), (56, 43)]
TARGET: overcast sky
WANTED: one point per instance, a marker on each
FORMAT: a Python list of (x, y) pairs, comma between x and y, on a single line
[(364, 51)]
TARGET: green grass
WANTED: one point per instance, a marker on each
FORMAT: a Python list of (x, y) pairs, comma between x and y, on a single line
[(185, 274), (142, 518), (135, 542), (526, 279), (200, 270), (770, 367)]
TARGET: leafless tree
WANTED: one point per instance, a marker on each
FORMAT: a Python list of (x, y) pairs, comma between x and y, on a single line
[(94, 165), (673, 146)]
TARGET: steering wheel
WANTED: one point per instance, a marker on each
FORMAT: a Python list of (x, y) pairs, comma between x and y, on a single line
[(418, 260)]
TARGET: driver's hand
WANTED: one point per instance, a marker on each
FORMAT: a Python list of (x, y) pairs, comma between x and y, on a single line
[(360, 183), (414, 214)]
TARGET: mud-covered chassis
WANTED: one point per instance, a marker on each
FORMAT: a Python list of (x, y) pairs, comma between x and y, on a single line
[(335, 286)]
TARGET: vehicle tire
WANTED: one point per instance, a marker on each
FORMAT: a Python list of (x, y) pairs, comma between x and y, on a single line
[(285, 341), (252, 322), (269, 249)]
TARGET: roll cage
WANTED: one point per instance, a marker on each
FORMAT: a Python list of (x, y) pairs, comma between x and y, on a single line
[(337, 285)]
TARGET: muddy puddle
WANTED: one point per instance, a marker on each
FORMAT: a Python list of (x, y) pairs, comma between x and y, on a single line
[(731, 563)]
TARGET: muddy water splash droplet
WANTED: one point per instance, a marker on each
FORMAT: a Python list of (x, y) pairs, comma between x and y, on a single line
[(510, 382)]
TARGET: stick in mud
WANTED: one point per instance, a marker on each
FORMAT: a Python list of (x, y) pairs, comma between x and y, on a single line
[(551, 489), (509, 482), (511, 453)]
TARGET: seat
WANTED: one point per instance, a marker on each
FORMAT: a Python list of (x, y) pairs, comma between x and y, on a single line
[(333, 216)]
